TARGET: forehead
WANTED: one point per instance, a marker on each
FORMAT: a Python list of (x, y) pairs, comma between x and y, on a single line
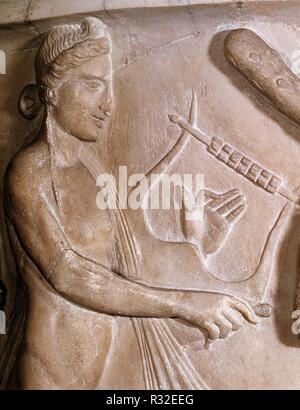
[(96, 67)]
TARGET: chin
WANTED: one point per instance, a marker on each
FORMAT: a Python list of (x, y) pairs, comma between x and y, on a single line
[(93, 136), (89, 138)]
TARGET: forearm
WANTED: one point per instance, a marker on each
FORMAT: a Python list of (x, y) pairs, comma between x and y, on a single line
[(95, 287)]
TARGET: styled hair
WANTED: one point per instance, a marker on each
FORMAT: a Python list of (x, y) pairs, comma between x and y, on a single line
[(66, 47)]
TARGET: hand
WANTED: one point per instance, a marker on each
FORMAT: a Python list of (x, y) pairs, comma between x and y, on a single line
[(221, 211), (218, 315)]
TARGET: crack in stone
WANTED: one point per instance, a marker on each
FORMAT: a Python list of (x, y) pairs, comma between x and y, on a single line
[(26, 20), (106, 10), (158, 49), (22, 50)]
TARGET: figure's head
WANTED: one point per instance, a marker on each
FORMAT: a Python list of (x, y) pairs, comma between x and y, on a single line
[(74, 77)]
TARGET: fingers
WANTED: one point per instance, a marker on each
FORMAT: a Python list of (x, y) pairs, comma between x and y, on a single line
[(229, 319), (219, 328), (240, 307), (213, 331), (224, 325), (223, 199), (208, 195), (232, 209), (231, 205), (232, 216), (203, 197), (233, 317)]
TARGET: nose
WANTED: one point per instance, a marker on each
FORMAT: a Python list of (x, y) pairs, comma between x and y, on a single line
[(106, 107), (106, 102)]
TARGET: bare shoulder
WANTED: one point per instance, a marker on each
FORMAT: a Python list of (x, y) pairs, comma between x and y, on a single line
[(28, 172)]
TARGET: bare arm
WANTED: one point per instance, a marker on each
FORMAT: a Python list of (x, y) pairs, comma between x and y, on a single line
[(34, 215), (97, 288)]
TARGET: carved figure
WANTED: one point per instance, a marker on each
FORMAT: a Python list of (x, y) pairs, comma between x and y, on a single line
[(73, 258)]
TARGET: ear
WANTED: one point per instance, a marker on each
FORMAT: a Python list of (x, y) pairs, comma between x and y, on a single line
[(29, 104), (53, 97)]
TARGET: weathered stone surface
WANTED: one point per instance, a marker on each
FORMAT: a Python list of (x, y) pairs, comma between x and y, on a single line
[(151, 296), (21, 11)]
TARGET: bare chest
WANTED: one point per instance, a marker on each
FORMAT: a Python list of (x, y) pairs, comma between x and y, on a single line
[(88, 228)]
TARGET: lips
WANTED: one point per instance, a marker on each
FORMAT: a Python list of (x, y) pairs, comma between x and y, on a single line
[(101, 117), (99, 120)]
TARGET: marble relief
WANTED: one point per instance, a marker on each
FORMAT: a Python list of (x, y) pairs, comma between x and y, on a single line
[(201, 294)]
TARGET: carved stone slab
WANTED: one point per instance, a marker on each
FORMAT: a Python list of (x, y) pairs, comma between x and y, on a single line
[(150, 298)]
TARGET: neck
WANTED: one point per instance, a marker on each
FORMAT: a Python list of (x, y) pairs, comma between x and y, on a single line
[(64, 146)]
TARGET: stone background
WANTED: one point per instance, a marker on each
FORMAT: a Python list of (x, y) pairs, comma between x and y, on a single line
[(153, 47)]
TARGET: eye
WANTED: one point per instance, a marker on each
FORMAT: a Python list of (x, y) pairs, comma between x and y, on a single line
[(98, 85)]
